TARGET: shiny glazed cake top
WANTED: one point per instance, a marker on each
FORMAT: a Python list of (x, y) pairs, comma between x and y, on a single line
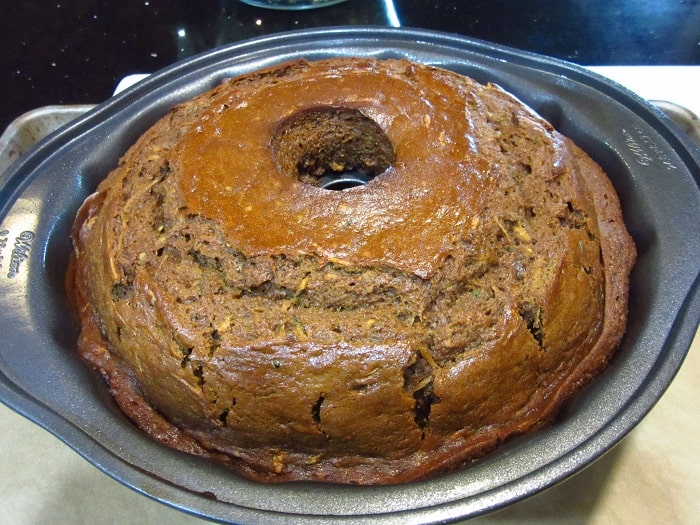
[(404, 217)]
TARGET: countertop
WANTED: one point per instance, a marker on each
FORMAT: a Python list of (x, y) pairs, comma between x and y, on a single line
[(75, 52)]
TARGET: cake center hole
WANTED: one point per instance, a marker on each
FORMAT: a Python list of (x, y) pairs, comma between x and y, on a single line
[(332, 148)]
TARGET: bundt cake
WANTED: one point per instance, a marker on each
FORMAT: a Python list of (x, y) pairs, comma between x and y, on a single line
[(349, 270)]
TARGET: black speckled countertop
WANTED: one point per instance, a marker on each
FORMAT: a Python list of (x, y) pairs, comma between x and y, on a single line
[(76, 51)]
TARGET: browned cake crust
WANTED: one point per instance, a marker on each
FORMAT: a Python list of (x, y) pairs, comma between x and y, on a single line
[(378, 334)]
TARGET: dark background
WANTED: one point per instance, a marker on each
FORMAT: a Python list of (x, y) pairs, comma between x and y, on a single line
[(75, 51)]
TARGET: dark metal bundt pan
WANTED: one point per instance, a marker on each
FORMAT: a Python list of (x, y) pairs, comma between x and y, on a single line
[(655, 170)]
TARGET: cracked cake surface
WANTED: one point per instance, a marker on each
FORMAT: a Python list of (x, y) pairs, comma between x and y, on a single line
[(241, 308)]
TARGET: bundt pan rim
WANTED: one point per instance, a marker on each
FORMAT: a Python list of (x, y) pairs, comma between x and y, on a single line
[(41, 193)]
